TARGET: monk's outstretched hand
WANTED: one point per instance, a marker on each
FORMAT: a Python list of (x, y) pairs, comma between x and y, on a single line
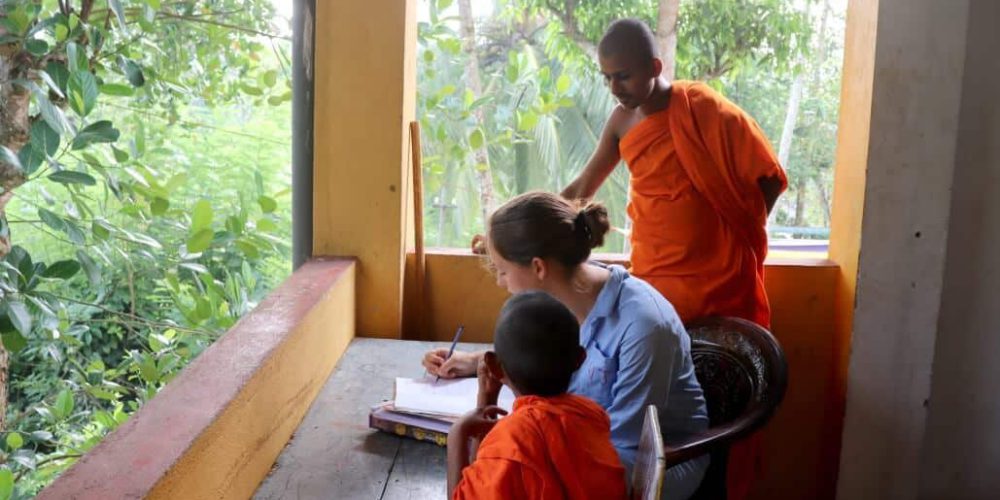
[(478, 422), (479, 244)]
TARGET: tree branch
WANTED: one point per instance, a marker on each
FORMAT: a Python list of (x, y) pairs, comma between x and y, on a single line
[(567, 18)]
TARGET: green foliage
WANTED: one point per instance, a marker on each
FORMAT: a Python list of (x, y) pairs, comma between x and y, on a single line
[(545, 105), (154, 215)]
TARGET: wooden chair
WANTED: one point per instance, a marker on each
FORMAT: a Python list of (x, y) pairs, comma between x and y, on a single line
[(647, 475), (743, 372)]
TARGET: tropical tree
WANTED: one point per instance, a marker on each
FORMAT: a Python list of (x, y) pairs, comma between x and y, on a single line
[(540, 105), (126, 246)]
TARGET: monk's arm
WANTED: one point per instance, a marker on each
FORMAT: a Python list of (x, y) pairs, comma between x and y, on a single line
[(771, 187), (599, 167), (458, 457)]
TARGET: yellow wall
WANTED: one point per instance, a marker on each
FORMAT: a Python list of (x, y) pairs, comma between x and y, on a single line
[(461, 292), (365, 79), (848, 202)]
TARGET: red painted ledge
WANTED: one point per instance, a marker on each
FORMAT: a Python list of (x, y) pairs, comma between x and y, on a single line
[(130, 461)]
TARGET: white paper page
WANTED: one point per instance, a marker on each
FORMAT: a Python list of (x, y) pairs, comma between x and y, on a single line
[(449, 397)]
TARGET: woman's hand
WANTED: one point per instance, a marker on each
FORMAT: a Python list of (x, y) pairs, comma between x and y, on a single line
[(460, 364)]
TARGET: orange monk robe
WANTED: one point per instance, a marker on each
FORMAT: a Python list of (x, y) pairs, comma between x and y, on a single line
[(698, 214), (699, 219), (547, 448)]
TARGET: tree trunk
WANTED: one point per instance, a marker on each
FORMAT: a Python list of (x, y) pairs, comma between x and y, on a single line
[(666, 36), (483, 170), (791, 116), (14, 126), (800, 202)]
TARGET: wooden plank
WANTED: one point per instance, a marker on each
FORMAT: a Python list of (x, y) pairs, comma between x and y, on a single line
[(419, 472), (333, 453)]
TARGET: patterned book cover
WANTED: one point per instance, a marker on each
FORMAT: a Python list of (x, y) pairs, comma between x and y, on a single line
[(421, 428)]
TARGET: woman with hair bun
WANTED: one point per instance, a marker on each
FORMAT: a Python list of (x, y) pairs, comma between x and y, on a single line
[(637, 351)]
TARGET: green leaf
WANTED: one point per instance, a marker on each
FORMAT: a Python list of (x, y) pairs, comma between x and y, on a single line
[(8, 156), (53, 115), (72, 177), (64, 404), (116, 6), (132, 71), (563, 83), (30, 158), (153, 4), (14, 441), (51, 82), (476, 138), (266, 225), (13, 341), (234, 225), (200, 241), (89, 267), (248, 249), (159, 206), (82, 91), (56, 77), (267, 204), (37, 47), (61, 32), (147, 369), (201, 216), (44, 139), (269, 78), (52, 220), (63, 269), (117, 89), (120, 156), (526, 121), (76, 57), (6, 483), (100, 131), (19, 316), (142, 239), (443, 4), (101, 229)]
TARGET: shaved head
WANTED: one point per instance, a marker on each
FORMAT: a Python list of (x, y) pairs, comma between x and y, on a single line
[(629, 37)]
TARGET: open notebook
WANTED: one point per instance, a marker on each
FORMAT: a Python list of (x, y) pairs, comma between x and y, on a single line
[(424, 409), (443, 398)]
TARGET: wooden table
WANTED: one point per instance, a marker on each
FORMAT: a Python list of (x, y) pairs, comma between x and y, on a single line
[(333, 453)]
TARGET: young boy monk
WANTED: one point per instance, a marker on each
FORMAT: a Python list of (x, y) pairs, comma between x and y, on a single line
[(703, 180), (553, 445)]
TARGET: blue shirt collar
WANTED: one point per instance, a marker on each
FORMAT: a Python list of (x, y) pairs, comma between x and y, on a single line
[(606, 302)]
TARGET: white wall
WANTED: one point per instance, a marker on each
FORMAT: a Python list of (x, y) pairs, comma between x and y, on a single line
[(961, 452)]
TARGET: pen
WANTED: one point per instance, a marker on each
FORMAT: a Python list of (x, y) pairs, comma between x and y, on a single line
[(458, 333)]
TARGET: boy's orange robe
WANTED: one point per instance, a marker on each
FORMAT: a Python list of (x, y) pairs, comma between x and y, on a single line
[(699, 216), (547, 448)]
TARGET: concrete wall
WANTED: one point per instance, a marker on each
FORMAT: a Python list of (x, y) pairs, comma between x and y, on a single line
[(916, 96), (961, 453)]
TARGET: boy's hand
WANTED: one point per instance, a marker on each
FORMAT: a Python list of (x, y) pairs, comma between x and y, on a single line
[(460, 364), (477, 423), (489, 386)]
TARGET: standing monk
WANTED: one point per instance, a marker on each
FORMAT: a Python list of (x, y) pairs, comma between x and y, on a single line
[(703, 180)]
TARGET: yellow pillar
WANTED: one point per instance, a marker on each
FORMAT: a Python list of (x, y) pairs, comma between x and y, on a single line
[(848, 202), (365, 97)]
